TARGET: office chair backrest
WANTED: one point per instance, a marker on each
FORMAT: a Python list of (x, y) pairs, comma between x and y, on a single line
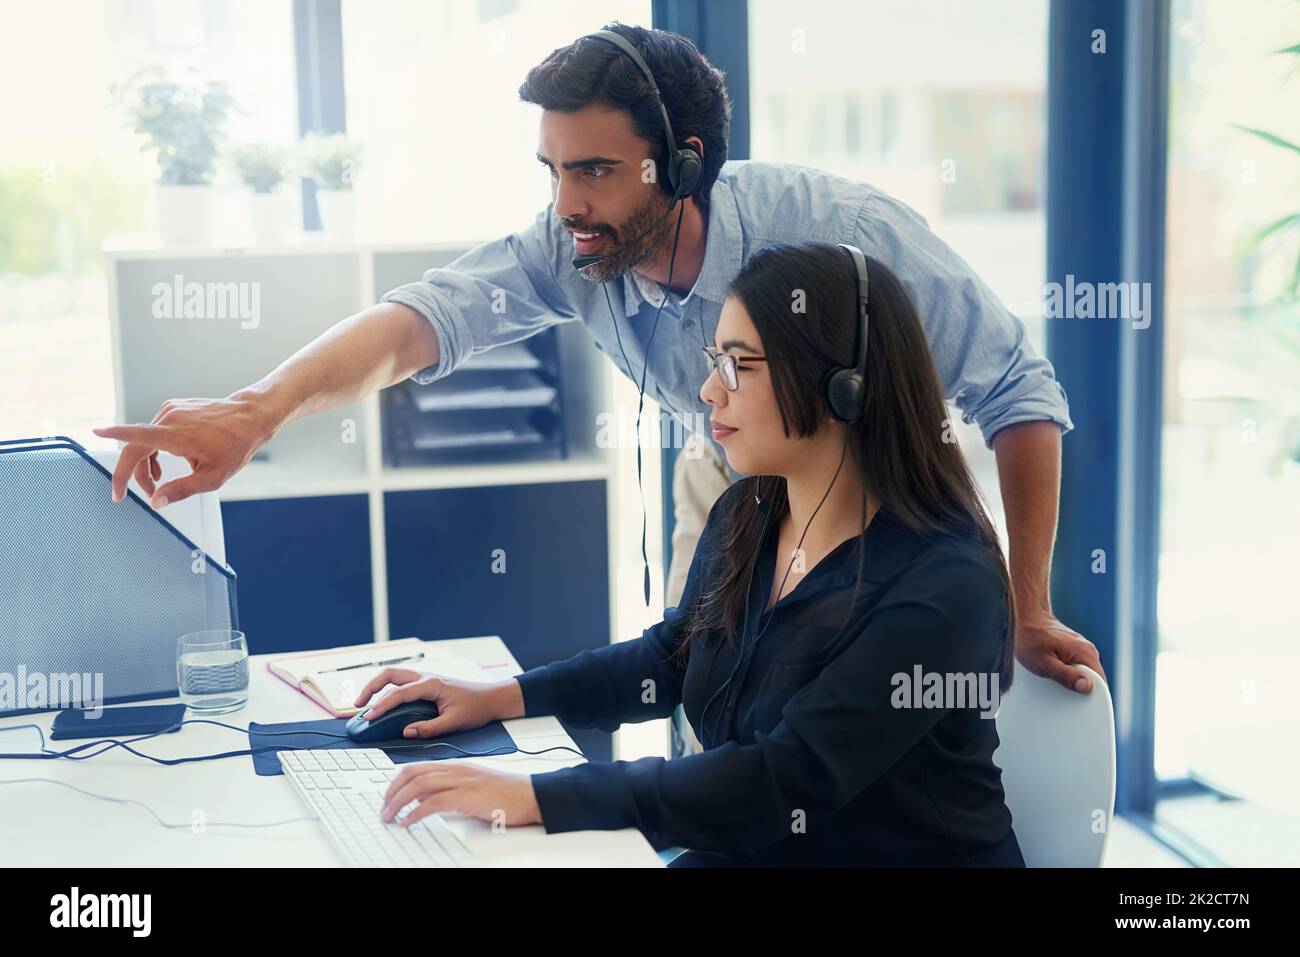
[(198, 517), (1057, 755)]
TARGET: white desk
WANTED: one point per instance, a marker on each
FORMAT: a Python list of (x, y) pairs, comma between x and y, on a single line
[(48, 825)]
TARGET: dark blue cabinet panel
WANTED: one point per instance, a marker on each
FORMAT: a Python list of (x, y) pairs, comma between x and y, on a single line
[(304, 571), (526, 562)]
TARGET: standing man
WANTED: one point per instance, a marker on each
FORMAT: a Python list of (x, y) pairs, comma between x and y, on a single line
[(602, 141)]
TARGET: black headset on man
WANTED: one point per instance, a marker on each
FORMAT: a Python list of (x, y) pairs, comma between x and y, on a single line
[(684, 169), (843, 387)]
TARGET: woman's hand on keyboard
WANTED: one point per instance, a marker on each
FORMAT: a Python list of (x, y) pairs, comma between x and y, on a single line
[(504, 799), (461, 704)]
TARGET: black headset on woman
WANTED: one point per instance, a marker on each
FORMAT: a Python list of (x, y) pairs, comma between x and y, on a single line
[(844, 389)]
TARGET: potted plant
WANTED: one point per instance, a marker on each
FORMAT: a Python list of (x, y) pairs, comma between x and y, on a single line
[(332, 162), (184, 122), (262, 168), (1282, 317)]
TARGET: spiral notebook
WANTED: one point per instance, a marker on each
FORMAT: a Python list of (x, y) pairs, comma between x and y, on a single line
[(333, 678)]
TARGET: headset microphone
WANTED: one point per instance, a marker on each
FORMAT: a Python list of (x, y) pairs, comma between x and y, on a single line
[(582, 262), (684, 170)]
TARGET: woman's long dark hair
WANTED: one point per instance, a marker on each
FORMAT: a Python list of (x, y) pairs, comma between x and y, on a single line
[(902, 446)]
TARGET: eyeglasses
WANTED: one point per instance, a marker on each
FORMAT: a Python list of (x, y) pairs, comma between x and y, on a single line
[(725, 363)]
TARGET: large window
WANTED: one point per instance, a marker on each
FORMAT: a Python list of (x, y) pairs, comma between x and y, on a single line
[(1230, 511), (72, 174), (942, 106), (433, 98)]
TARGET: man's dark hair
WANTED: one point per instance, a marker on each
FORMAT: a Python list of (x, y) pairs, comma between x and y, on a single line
[(591, 72)]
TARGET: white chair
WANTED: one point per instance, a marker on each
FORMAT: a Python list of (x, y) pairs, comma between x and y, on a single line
[(198, 517), (1057, 755)]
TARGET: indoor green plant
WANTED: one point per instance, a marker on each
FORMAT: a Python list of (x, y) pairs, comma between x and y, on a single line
[(332, 161), (1282, 320), (184, 122), (262, 167)]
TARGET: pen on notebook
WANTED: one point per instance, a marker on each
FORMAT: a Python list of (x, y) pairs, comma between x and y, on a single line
[(375, 664)]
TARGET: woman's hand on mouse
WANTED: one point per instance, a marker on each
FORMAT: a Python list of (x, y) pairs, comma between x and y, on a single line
[(495, 796), (461, 704)]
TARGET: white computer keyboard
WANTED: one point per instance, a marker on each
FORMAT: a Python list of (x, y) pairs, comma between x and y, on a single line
[(345, 789)]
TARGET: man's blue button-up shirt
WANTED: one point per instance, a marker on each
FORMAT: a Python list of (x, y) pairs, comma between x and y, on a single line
[(508, 289)]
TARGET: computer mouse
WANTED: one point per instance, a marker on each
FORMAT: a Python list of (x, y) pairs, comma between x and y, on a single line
[(389, 725)]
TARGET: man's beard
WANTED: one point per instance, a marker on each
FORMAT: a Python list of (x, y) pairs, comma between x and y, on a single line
[(644, 249)]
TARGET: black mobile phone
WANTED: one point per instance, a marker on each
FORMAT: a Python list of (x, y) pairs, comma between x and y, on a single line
[(117, 722)]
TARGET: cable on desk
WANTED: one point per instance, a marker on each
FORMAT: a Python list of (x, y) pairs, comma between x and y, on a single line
[(72, 754), (152, 813)]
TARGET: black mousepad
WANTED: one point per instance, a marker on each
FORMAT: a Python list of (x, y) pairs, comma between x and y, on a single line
[(491, 738)]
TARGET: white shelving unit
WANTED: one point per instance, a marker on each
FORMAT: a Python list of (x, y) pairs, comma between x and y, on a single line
[(304, 288)]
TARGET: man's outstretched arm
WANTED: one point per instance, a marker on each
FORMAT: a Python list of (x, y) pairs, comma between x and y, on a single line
[(498, 292), (360, 355), (1029, 473)]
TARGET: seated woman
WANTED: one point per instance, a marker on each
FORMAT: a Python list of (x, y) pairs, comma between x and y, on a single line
[(844, 632)]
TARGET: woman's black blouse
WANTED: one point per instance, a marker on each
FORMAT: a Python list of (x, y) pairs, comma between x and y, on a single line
[(807, 759)]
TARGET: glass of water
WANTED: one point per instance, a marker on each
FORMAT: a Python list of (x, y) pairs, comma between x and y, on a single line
[(212, 670)]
